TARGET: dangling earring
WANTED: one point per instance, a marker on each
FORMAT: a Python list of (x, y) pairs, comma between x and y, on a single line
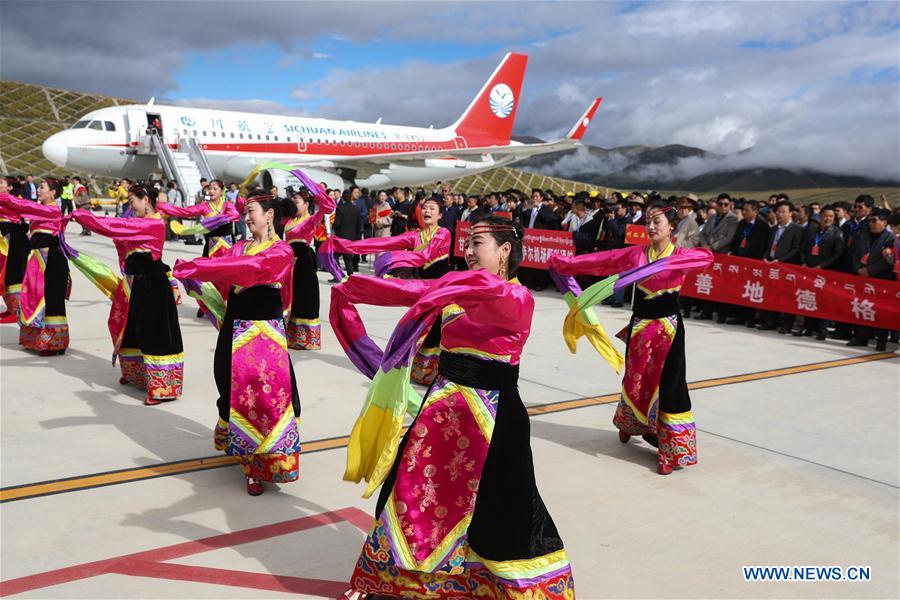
[(503, 269), (270, 229)]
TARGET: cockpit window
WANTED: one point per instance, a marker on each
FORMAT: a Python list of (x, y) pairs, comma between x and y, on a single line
[(96, 125), (80, 125), (110, 126)]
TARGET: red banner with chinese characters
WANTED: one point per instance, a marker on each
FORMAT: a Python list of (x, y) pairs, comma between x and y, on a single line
[(537, 246), (798, 290), (636, 235)]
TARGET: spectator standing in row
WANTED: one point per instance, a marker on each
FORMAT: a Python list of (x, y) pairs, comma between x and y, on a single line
[(783, 246), (346, 226), (687, 232), (402, 208), (821, 250), (750, 241), (856, 231), (381, 225), (717, 235), (871, 259), (81, 198), (30, 188)]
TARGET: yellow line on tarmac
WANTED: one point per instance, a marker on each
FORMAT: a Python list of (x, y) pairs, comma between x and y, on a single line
[(82, 482)]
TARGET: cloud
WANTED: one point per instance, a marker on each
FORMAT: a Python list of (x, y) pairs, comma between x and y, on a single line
[(813, 85)]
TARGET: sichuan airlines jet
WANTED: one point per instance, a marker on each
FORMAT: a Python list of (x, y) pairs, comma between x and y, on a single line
[(113, 141)]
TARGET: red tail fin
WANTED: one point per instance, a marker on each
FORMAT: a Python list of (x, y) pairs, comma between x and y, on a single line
[(489, 119), (581, 125)]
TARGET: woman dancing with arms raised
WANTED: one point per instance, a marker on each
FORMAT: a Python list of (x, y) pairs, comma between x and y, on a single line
[(459, 514), (143, 319), (422, 253), (43, 326), (655, 402), (259, 406)]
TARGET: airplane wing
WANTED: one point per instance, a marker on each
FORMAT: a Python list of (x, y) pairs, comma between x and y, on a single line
[(502, 155)]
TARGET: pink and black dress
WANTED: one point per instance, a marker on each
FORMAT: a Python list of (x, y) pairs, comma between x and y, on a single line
[(303, 329), (14, 255), (416, 254), (143, 319), (43, 326), (216, 224), (655, 399), (259, 406), (459, 514)]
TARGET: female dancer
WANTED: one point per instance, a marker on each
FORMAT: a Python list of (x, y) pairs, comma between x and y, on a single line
[(303, 328), (459, 514), (13, 254), (417, 254), (655, 402), (143, 320), (259, 407), (216, 216), (43, 327)]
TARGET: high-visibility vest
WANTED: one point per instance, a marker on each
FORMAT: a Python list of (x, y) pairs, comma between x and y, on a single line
[(68, 191)]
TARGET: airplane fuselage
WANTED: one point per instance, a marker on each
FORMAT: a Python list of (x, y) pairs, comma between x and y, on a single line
[(235, 142)]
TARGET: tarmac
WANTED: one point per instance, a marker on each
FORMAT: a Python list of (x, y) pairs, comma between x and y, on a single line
[(103, 497)]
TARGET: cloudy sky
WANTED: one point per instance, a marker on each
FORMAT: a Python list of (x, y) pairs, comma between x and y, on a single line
[(806, 84)]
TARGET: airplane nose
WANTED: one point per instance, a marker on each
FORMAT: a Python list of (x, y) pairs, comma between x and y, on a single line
[(56, 150)]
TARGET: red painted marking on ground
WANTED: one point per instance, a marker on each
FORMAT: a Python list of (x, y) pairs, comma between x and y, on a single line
[(139, 561), (230, 577)]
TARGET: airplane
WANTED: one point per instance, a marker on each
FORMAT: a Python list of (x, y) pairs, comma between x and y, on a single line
[(115, 141)]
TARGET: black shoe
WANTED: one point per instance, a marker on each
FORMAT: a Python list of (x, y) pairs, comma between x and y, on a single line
[(720, 320), (686, 315), (332, 280), (881, 346), (783, 330), (616, 304), (765, 327), (734, 321), (651, 439), (750, 324), (607, 301), (895, 337), (199, 313), (797, 333), (820, 336), (704, 317), (858, 342)]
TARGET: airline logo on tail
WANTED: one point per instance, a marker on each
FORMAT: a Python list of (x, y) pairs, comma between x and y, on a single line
[(502, 100)]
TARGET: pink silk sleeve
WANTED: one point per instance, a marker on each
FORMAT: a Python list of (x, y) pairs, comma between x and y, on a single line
[(347, 324), (138, 230), (184, 212), (29, 210), (598, 263), (270, 266), (404, 241), (438, 247), (486, 298)]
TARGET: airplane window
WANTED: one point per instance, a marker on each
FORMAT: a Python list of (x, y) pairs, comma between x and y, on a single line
[(241, 135), (80, 125), (258, 136), (232, 135), (276, 138), (96, 125), (393, 146), (214, 134), (204, 134), (110, 126)]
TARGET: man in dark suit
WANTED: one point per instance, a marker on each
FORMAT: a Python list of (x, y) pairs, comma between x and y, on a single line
[(869, 261), (749, 242), (822, 248), (346, 226), (539, 215), (783, 246), (855, 231)]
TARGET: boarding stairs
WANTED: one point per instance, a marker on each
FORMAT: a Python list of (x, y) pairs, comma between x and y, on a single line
[(186, 165)]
